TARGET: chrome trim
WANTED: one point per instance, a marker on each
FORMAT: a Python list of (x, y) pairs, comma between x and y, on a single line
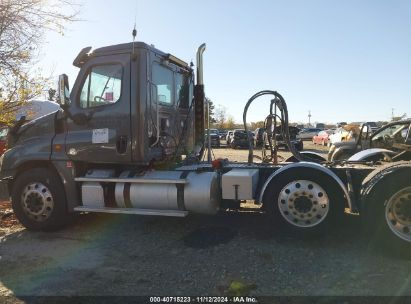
[(303, 216), (132, 180), (200, 51), (175, 213), (312, 166)]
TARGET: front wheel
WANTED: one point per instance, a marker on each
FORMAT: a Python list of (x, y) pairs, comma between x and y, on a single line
[(38, 200), (306, 201)]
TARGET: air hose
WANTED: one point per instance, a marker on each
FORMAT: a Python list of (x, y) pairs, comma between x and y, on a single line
[(279, 103)]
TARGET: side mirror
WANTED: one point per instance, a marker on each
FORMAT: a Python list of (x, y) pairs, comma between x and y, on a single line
[(64, 92)]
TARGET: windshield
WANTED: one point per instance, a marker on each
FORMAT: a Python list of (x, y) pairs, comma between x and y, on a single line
[(389, 135)]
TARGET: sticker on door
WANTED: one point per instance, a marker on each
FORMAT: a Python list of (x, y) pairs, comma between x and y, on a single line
[(100, 136)]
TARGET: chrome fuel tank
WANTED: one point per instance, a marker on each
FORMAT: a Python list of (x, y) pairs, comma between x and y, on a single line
[(198, 194)]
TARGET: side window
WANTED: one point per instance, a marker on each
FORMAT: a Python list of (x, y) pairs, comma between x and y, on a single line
[(182, 91), (163, 81), (102, 86)]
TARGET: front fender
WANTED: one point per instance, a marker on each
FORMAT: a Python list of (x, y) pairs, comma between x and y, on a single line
[(33, 149)]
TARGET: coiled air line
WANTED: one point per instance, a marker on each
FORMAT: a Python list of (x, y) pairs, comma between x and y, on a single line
[(270, 125)]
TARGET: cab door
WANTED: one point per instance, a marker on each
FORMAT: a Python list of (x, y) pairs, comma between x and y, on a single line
[(98, 123)]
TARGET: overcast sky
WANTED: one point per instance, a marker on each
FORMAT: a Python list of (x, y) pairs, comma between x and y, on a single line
[(343, 60)]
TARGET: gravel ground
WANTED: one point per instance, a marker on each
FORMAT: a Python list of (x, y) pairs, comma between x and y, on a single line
[(103, 254)]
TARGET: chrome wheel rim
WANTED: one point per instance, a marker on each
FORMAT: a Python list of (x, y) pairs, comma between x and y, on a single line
[(398, 214), (303, 203), (37, 202)]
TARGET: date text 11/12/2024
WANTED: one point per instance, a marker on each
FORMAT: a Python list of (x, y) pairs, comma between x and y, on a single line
[(204, 299)]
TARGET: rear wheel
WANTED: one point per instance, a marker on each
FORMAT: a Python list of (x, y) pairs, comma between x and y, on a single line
[(387, 213), (38, 200), (304, 200)]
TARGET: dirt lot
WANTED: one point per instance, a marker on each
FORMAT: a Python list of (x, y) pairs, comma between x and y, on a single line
[(238, 253)]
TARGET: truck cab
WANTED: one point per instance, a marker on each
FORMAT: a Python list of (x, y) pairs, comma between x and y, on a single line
[(130, 108), (129, 104)]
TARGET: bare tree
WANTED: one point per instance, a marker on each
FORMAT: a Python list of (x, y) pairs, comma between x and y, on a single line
[(258, 124), (230, 123), (23, 24), (220, 117)]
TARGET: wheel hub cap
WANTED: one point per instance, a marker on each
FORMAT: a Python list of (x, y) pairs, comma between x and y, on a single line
[(37, 202), (303, 203), (398, 214)]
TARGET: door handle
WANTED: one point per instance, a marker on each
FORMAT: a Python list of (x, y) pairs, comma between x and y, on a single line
[(121, 144)]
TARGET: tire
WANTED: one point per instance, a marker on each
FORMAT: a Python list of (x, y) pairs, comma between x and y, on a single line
[(320, 201), (39, 201), (386, 214)]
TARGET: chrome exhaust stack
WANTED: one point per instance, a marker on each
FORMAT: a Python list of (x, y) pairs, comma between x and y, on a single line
[(199, 109), (200, 51)]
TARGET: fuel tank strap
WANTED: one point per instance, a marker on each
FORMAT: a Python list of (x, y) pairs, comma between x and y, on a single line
[(180, 192), (126, 190)]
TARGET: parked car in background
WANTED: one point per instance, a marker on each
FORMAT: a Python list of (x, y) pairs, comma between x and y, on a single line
[(320, 126), (258, 137), (297, 142), (341, 124), (239, 139), (322, 138), (223, 134), (373, 125), (229, 137), (339, 135), (308, 133), (215, 138), (390, 140)]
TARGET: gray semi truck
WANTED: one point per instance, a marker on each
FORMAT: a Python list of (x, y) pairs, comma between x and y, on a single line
[(129, 139)]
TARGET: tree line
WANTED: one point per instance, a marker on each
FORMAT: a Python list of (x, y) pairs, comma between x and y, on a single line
[(23, 24)]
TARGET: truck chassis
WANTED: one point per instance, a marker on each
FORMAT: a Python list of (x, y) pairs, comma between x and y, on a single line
[(61, 163)]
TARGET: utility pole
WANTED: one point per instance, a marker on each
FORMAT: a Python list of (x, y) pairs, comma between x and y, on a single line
[(392, 113), (309, 118)]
